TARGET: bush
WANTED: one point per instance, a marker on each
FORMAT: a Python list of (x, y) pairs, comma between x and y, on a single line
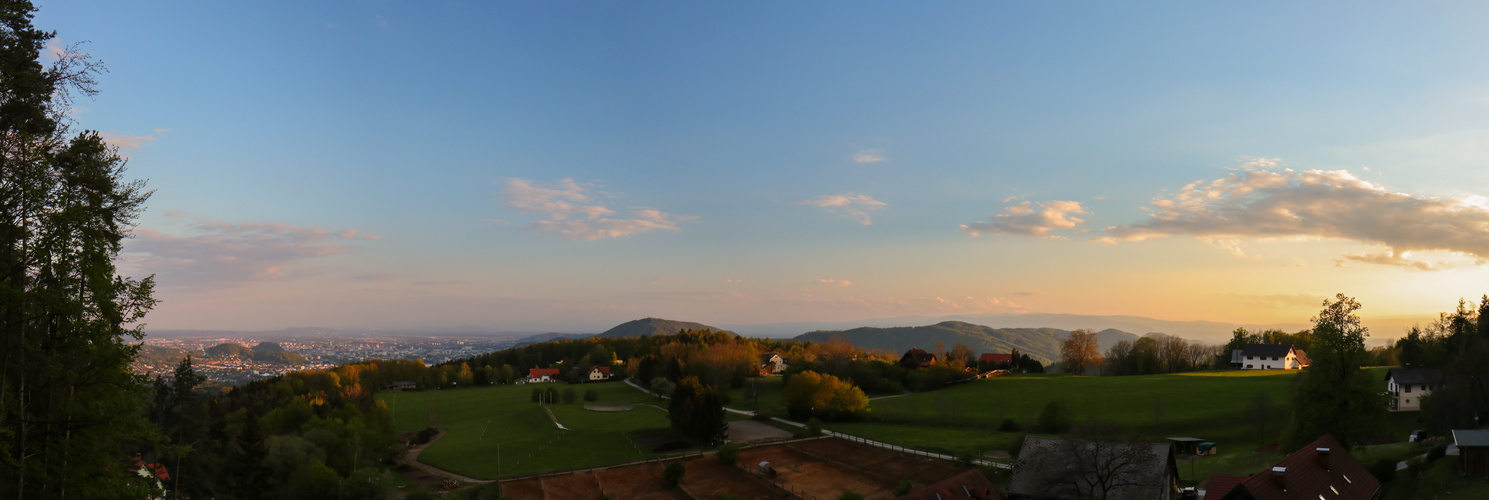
[(591, 395), (763, 416), (1055, 418), (674, 472), (1384, 469), (1437, 452), (728, 454), (814, 427), (850, 495), (904, 488), (1009, 425), (965, 458), (569, 396)]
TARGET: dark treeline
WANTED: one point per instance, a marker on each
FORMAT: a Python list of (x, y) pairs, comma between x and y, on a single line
[(1457, 343), (1157, 354)]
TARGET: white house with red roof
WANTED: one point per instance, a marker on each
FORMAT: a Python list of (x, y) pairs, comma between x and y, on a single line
[(599, 373)]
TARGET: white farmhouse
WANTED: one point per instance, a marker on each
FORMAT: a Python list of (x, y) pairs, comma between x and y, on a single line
[(1407, 386), (1269, 357)]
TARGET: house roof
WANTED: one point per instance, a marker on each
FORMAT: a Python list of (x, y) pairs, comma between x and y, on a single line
[(990, 357), (1305, 477), (1302, 357), (1415, 375), (539, 372), (970, 484), (1268, 350), (1220, 485), (919, 356), (602, 369), (1470, 439), (765, 357), (1043, 460)]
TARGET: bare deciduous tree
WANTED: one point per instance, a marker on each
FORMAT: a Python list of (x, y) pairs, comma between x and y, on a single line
[(1080, 351)]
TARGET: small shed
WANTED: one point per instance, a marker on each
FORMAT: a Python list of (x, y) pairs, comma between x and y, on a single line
[(1473, 451), (1187, 445)]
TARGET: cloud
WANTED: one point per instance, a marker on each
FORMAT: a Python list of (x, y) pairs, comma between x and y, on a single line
[(127, 141), (1036, 219), (572, 211), (852, 205), (869, 156), (1263, 200), (219, 254), (835, 282), (1390, 258)]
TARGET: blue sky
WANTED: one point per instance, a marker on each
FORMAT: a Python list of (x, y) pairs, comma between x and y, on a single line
[(570, 165)]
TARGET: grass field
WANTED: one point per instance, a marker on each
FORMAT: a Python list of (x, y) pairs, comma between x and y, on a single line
[(479, 420), (1207, 405), (767, 392)]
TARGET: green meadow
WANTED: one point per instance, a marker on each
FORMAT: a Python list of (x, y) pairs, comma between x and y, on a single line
[(1211, 405), (491, 429)]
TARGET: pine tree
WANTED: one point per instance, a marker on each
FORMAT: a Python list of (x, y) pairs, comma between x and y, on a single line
[(69, 405)]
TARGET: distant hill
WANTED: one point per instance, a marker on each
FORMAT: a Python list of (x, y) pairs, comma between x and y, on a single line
[(544, 337), (655, 326), (264, 352), (1039, 343), (162, 355)]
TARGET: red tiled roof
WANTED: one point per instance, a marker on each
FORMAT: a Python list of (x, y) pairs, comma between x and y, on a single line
[(1305, 477), (540, 372), (1220, 485), (989, 357), (970, 484), (603, 369), (157, 469)]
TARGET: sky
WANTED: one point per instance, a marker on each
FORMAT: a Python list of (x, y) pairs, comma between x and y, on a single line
[(566, 166)]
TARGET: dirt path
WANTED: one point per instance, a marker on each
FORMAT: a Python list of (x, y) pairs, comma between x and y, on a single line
[(412, 459)]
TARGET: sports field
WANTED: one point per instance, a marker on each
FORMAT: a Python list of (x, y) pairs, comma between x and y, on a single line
[(480, 422), (1209, 405)]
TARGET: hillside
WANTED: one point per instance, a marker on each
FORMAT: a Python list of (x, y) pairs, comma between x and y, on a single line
[(264, 352), (655, 326), (1039, 343)]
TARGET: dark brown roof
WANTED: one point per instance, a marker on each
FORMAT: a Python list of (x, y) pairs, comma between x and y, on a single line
[(918, 356), (1415, 376), (1305, 477), (1266, 350), (989, 357), (971, 484), (1220, 485)]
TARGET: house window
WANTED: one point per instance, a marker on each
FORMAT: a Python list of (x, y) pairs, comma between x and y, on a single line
[(1274, 358), (1248, 366), (1408, 387)]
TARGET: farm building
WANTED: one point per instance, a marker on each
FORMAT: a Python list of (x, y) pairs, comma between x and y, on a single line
[(542, 375), (1270, 357), (1058, 469), (599, 373), (970, 485), (1323, 469), (1406, 387), (772, 363), (1473, 452), (917, 358), (994, 358), (402, 385)]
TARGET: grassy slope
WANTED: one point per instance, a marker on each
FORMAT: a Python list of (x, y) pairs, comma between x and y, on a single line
[(529, 441), (1207, 405)]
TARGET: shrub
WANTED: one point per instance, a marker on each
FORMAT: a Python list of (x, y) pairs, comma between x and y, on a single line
[(814, 427), (849, 495), (1436, 453), (728, 453), (965, 458), (1055, 418), (904, 488), (673, 473), (591, 395), (1009, 425)]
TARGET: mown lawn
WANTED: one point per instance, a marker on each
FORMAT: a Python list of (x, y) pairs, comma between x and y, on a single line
[(758, 393), (479, 421), (1207, 405)]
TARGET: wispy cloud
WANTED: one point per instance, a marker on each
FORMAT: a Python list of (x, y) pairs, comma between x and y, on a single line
[(128, 141), (869, 156), (1264, 200), (217, 254), (835, 282), (852, 205), (1035, 219), (572, 211)]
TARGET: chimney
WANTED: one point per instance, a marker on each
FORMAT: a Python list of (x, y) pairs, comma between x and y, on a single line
[(1323, 457), (1279, 476)]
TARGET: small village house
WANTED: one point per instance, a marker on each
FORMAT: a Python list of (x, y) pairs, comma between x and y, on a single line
[(1324, 469), (402, 385), (1406, 387), (599, 373), (539, 375), (772, 364), (970, 485), (1270, 357), (991, 358), (917, 358), (1473, 451)]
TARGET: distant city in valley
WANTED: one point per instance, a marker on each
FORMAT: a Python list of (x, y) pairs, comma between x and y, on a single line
[(322, 350)]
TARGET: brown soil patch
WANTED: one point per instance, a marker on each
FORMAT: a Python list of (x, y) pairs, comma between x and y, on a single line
[(879, 462), (525, 489), (636, 482), (816, 479), (576, 486), (707, 477)]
